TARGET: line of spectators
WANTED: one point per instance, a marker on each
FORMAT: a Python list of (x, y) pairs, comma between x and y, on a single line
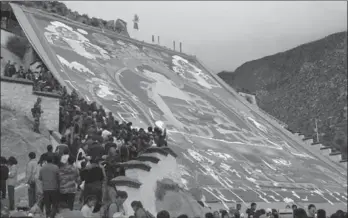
[(43, 80), (290, 211)]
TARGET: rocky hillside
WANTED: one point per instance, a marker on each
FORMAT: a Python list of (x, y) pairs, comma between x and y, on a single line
[(301, 84)]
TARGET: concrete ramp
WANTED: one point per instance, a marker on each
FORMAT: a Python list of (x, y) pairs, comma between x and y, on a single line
[(224, 148)]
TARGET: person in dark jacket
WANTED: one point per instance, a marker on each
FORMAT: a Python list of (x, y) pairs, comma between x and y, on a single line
[(109, 143), (97, 136), (124, 153), (4, 176), (49, 176), (6, 69), (251, 211), (93, 176), (112, 165), (160, 138), (321, 213), (237, 211), (95, 150), (12, 181), (43, 157), (300, 213), (110, 121)]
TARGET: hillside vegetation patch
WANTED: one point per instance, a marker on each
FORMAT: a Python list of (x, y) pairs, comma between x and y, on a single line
[(18, 45)]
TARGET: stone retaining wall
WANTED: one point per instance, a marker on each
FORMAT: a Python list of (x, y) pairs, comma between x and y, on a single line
[(21, 97)]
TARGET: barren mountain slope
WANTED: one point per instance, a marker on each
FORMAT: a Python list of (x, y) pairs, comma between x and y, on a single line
[(301, 84)]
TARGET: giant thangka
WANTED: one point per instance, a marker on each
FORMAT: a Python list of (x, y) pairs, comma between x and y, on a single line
[(229, 150)]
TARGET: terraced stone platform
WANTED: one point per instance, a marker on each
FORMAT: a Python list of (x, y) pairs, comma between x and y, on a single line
[(224, 147)]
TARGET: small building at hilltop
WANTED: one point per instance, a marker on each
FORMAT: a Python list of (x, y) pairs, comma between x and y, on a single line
[(119, 26)]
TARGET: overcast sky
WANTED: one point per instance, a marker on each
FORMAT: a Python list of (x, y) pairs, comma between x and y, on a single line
[(225, 34)]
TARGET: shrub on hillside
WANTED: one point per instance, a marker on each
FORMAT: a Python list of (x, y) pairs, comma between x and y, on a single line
[(18, 45), (249, 99)]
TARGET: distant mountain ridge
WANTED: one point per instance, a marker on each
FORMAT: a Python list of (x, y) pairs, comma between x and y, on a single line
[(301, 84)]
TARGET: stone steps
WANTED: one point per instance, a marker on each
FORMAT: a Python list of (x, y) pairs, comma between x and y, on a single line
[(333, 155)]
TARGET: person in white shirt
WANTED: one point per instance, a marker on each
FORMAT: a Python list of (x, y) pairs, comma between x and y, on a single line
[(82, 155), (88, 207), (116, 208), (106, 134)]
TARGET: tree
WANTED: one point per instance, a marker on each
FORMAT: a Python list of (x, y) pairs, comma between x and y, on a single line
[(95, 22), (18, 45), (61, 9), (86, 19)]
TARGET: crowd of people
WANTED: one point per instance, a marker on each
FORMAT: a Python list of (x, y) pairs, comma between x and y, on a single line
[(76, 179), (42, 79), (57, 194), (93, 147), (290, 211)]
